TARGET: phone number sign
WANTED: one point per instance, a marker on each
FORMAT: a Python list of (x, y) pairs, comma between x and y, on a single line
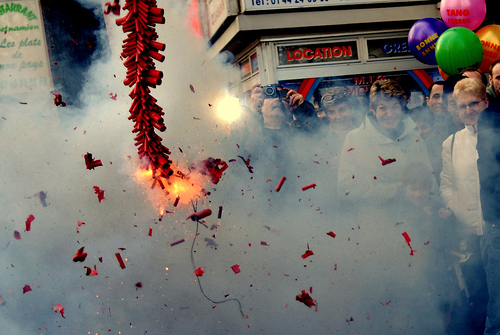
[(253, 5)]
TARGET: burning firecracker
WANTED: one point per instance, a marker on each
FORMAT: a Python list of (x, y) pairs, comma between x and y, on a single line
[(140, 49)]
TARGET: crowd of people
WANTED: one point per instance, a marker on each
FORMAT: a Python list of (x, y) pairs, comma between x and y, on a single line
[(437, 163)]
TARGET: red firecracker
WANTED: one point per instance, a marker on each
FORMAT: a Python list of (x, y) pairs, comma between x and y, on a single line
[(140, 49)]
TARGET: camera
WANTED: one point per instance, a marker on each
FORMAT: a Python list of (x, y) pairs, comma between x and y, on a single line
[(274, 91)]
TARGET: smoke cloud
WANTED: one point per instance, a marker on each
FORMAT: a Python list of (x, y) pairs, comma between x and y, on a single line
[(363, 280)]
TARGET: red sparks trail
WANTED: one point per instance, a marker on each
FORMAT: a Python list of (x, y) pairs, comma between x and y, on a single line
[(140, 49)]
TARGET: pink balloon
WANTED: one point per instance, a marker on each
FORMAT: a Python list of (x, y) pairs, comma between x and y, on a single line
[(463, 13)]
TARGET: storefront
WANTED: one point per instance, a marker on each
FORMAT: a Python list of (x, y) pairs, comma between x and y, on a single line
[(319, 44)]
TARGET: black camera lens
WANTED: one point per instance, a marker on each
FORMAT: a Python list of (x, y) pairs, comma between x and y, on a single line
[(270, 91)]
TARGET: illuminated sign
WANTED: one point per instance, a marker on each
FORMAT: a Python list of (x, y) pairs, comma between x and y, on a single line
[(388, 47), (318, 53), (24, 63)]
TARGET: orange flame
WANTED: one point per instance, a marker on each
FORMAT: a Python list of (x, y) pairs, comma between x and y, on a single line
[(185, 188)]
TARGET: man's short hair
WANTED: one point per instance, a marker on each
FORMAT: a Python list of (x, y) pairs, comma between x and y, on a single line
[(493, 65), (386, 89), (439, 82), (472, 86), (484, 79)]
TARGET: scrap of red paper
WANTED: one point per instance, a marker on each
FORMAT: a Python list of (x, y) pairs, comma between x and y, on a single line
[(307, 254), (60, 309), (120, 260), (100, 193), (331, 233), (199, 272), (90, 162), (28, 222), (80, 256), (236, 268), (306, 299), (387, 161)]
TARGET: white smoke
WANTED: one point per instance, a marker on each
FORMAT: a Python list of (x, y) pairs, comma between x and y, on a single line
[(263, 231)]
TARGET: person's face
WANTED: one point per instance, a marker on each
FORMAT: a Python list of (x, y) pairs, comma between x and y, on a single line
[(469, 107), (495, 78), (423, 129), (339, 116), (435, 100), (389, 113), (274, 114), (417, 193)]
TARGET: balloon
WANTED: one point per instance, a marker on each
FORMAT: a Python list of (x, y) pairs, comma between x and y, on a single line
[(458, 48), (443, 75), (490, 40), (463, 13), (422, 39)]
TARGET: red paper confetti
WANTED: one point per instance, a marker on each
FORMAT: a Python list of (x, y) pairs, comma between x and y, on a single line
[(177, 242), (307, 254), (282, 180), (247, 163), (215, 167), (58, 100), (150, 232), (191, 87), (236, 268), (59, 309), (100, 193), (120, 260), (28, 222), (387, 161), (351, 149), (26, 288), (91, 163), (306, 299), (263, 243), (306, 187), (113, 96), (112, 8), (331, 233), (80, 256), (80, 223), (90, 271), (17, 235), (408, 240), (199, 272)]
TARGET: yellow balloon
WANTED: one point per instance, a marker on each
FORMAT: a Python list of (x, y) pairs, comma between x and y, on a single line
[(490, 41)]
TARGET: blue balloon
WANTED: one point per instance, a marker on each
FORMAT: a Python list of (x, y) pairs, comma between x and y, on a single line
[(422, 39)]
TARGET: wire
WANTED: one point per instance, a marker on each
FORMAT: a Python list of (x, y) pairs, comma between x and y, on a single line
[(199, 281)]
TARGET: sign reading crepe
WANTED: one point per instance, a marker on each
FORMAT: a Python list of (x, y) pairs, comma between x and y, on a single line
[(24, 63)]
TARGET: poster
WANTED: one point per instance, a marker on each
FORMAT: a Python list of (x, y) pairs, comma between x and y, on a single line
[(24, 61)]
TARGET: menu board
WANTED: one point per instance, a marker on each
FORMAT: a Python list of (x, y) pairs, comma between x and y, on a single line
[(24, 61)]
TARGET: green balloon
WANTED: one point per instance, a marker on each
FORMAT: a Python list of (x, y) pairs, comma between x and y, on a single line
[(458, 48)]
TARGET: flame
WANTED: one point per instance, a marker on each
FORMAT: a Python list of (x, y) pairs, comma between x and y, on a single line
[(184, 188)]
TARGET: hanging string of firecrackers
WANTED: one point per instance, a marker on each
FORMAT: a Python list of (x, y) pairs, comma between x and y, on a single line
[(140, 49)]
